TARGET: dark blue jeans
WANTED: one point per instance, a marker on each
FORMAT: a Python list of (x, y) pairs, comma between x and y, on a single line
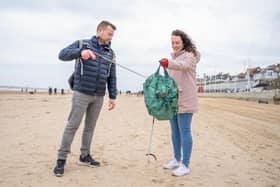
[(182, 137)]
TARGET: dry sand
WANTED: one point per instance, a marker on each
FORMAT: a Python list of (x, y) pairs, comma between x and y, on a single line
[(236, 143)]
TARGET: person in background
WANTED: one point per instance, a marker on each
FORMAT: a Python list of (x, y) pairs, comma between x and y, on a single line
[(182, 68), (50, 90), (91, 76)]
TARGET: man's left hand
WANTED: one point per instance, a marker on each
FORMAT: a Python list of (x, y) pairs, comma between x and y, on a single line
[(112, 104)]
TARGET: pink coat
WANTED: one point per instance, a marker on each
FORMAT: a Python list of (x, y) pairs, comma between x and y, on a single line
[(182, 68)]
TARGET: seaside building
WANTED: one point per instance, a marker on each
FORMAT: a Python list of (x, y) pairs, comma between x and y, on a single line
[(253, 79)]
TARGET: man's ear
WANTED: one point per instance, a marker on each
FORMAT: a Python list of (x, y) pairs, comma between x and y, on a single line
[(99, 31)]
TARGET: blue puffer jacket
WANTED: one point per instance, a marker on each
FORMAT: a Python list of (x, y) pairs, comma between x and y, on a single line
[(91, 76)]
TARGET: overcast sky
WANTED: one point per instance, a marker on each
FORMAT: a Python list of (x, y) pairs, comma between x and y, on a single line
[(228, 33)]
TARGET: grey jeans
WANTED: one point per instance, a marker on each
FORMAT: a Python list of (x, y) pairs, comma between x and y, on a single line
[(81, 103)]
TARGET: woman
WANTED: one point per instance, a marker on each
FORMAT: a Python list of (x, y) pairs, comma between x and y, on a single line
[(182, 68)]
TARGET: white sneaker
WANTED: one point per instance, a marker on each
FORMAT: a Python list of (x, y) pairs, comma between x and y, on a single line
[(172, 164), (181, 170)]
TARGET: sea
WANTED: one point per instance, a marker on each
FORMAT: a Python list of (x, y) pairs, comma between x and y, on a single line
[(43, 76)]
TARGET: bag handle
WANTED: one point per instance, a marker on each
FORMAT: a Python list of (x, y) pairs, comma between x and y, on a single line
[(165, 71)]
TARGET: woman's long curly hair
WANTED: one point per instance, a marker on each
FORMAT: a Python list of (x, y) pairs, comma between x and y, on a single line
[(187, 42)]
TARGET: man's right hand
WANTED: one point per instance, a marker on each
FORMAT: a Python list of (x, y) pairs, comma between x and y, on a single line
[(86, 54)]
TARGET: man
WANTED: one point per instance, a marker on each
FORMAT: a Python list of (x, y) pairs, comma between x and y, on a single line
[(92, 74)]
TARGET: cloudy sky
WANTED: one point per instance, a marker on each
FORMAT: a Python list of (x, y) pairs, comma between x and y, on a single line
[(228, 33)]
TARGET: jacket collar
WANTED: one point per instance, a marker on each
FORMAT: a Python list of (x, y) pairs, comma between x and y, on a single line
[(95, 40)]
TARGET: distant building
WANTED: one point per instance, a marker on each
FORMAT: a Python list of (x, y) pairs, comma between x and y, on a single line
[(262, 79)]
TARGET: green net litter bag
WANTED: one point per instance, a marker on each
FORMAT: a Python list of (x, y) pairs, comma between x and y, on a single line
[(161, 95)]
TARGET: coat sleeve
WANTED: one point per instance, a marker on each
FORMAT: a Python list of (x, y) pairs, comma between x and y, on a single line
[(112, 82), (70, 52), (189, 61)]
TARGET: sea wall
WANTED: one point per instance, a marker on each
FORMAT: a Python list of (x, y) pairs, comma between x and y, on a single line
[(272, 96)]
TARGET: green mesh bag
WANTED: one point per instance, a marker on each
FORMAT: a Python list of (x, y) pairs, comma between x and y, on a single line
[(161, 95)]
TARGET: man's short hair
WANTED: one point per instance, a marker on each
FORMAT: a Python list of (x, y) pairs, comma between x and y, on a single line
[(103, 25)]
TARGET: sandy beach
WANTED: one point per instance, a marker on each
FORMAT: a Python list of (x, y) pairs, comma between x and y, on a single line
[(236, 143)]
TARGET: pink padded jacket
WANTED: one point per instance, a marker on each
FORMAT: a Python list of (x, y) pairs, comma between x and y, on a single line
[(182, 68)]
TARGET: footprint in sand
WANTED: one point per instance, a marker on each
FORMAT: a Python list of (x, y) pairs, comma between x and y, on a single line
[(157, 181)]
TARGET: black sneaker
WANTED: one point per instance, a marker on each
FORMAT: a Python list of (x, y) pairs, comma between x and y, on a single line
[(59, 168), (88, 161)]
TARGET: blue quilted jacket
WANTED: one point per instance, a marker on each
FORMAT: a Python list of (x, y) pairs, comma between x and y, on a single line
[(92, 76)]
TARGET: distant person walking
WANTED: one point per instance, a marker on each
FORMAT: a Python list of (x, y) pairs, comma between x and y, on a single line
[(50, 90), (91, 76), (182, 67)]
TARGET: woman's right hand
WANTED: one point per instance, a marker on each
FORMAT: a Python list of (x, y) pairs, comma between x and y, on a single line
[(164, 62)]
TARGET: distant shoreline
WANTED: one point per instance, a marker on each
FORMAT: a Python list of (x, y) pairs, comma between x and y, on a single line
[(27, 89)]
